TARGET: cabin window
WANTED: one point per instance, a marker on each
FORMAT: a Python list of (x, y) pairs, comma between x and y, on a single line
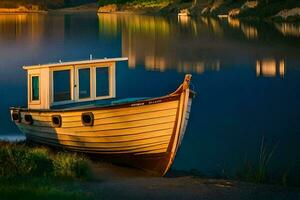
[(102, 81), (84, 83), (62, 85), (35, 89)]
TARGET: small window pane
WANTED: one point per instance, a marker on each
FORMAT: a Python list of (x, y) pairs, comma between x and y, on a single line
[(62, 85), (102, 81), (35, 93), (84, 83)]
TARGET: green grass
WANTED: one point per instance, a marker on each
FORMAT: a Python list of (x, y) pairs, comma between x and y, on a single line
[(38, 173), (20, 160), (258, 172), (70, 165), (39, 188)]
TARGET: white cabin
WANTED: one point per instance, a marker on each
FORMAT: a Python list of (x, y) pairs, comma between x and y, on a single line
[(71, 82)]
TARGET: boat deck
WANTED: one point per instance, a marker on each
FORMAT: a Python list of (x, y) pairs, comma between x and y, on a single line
[(98, 103)]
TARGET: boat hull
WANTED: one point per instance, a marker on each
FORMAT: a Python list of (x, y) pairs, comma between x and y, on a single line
[(144, 134)]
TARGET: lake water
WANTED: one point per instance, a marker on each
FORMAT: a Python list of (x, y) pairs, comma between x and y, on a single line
[(246, 75)]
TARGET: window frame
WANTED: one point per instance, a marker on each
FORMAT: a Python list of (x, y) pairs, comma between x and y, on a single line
[(77, 98), (74, 82), (71, 68), (30, 88), (111, 80)]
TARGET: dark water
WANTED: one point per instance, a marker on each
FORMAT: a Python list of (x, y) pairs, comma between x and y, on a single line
[(247, 76)]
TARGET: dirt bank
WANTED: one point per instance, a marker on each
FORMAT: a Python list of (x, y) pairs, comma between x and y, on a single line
[(112, 182)]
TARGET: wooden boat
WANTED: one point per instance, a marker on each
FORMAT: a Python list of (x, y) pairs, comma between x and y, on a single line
[(143, 133)]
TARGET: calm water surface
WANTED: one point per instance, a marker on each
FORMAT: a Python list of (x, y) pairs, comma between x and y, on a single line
[(247, 76)]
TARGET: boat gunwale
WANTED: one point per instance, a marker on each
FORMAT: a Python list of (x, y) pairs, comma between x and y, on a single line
[(144, 102)]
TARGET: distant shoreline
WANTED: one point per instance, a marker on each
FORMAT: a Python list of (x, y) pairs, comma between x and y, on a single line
[(93, 7), (249, 10), (21, 10), (14, 13), (76, 9), (29, 12), (180, 9)]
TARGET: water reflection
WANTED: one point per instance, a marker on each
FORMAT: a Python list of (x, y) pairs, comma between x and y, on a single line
[(192, 45), (233, 22), (249, 31), (183, 19), (288, 29), (199, 67), (270, 67), (108, 24), (29, 27), (159, 43), (210, 25)]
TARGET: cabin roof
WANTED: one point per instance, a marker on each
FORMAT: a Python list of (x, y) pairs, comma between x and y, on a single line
[(61, 64)]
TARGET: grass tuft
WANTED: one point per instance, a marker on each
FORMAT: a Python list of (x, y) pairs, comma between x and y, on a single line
[(20, 160), (28, 172), (37, 188), (258, 173), (70, 166)]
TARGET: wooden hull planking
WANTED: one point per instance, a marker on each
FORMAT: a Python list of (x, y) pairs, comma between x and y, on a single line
[(145, 135)]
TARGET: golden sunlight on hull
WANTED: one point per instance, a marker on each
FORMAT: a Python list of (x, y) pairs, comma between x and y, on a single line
[(114, 132)]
